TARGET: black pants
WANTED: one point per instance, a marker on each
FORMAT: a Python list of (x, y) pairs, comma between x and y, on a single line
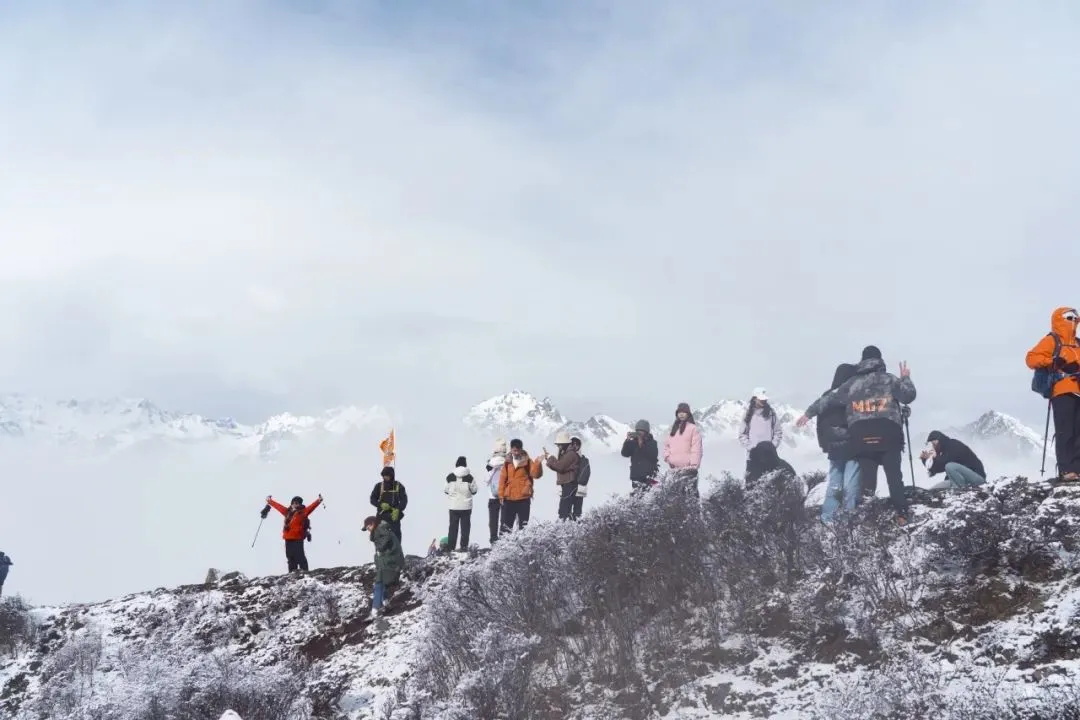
[(890, 462), (294, 554), (566, 501), (462, 519), (1066, 427), (579, 504), (515, 510), (494, 509), (639, 486)]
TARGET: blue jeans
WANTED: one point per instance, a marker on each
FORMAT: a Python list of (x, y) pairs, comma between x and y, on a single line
[(377, 596), (843, 477), (962, 476)]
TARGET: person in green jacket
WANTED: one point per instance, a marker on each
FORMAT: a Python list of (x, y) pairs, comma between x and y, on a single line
[(389, 559)]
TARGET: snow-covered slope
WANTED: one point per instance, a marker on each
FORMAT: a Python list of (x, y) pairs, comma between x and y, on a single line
[(109, 426), (968, 614)]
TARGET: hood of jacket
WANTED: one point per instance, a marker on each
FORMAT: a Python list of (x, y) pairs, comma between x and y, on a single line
[(763, 455), (870, 365), (461, 472), (844, 372), (1064, 329)]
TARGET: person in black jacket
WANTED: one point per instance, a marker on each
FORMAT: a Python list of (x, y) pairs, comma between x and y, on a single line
[(960, 464), (763, 461), (640, 446), (832, 436), (389, 499)]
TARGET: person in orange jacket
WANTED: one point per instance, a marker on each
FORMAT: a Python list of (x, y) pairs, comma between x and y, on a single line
[(297, 529), (516, 486), (1064, 368)]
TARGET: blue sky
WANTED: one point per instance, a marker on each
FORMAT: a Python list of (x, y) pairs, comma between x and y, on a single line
[(238, 207)]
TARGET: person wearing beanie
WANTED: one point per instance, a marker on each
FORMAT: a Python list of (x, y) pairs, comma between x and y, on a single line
[(682, 446), (760, 423), (460, 488), (516, 486), (297, 529), (494, 469), (389, 498), (874, 402), (644, 454)]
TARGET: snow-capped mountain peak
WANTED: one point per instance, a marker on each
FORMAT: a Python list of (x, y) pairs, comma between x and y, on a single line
[(999, 433), (516, 412)]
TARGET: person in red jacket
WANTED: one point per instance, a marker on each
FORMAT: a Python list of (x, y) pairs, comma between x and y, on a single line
[(297, 529)]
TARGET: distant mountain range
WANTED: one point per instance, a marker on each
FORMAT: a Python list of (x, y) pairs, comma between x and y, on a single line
[(521, 413), (105, 427)]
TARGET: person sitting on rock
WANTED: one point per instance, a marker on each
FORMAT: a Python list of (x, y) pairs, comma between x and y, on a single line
[(960, 464)]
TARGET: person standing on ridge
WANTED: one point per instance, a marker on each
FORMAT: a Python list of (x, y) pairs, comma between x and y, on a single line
[(581, 479), (640, 446), (494, 467), (516, 486), (682, 446), (297, 529), (460, 488), (389, 560), (960, 464), (1058, 356), (832, 436), (5, 565), (873, 401), (760, 423), (565, 465), (389, 498)]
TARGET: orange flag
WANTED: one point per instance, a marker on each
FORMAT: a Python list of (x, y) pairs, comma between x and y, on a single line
[(387, 447)]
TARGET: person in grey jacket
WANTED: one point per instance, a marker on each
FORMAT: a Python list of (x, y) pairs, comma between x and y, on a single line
[(873, 400), (5, 565)]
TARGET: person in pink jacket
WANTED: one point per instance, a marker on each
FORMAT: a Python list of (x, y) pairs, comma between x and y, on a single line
[(682, 447)]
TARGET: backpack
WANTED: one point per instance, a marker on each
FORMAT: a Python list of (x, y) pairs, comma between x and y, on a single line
[(1042, 380), (584, 470)]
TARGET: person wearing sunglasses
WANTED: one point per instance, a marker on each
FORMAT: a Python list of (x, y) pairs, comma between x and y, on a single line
[(1058, 355)]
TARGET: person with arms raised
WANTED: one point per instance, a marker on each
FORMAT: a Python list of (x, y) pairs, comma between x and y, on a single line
[(297, 529)]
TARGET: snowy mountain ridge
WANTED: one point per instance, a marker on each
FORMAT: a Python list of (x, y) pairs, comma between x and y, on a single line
[(521, 413)]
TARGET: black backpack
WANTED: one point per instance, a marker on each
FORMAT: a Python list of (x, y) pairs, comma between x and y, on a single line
[(584, 470)]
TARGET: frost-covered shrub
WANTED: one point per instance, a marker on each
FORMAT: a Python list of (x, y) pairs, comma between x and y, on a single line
[(17, 627)]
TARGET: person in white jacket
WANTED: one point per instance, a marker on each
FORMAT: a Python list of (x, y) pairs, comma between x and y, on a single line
[(494, 469), (460, 488)]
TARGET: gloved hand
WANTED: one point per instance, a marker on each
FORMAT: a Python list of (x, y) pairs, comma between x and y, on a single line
[(1059, 363), (395, 514), (264, 512), (385, 507), (905, 411)]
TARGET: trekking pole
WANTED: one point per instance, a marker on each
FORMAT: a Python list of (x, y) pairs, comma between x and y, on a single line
[(1046, 440), (257, 530), (906, 412)]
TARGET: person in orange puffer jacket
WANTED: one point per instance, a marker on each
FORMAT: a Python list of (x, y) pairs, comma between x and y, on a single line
[(516, 486), (1065, 395), (296, 529)]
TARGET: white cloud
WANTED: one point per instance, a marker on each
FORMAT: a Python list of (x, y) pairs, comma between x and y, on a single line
[(301, 203)]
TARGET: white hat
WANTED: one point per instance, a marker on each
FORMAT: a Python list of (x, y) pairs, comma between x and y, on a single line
[(760, 394), (500, 447), (562, 438)]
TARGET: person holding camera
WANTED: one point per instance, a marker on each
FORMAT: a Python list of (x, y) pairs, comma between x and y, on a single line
[(297, 529), (640, 446)]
